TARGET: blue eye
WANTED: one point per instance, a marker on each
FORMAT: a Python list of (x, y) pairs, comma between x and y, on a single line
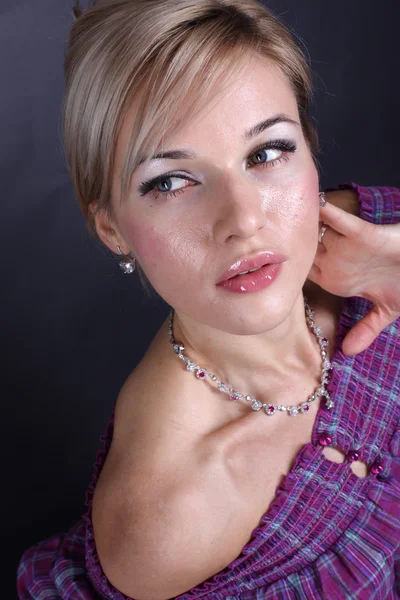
[(168, 188), (273, 152), (148, 186)]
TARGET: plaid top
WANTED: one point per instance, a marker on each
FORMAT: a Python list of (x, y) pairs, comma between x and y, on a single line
[(328, 534)]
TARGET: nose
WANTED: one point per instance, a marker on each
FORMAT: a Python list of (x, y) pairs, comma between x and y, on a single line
[(238, 212)]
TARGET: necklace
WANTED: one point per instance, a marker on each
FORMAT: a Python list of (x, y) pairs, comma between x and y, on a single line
[(269, 409)]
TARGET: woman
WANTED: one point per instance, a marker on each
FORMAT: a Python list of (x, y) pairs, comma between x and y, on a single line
[(191, 153)]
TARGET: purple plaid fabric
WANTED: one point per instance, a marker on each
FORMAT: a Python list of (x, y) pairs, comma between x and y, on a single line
[(328, 533)]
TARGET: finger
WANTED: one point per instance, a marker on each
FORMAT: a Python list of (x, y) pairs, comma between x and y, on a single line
[(340, 220), (365, 331), (327, 238), (315, 274), (322, 231), (320, 257)]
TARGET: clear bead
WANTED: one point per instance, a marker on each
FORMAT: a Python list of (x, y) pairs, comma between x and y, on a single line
[(256, 405)]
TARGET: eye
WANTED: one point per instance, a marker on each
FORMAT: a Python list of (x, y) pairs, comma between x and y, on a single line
[(272, 153), (165, 185), (168, 184), (266, 155)]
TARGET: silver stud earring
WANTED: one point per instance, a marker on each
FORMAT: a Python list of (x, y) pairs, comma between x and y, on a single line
[(322, 199), (128, 264)]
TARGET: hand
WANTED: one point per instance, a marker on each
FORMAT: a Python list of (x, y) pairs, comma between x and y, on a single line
[(358, 258)]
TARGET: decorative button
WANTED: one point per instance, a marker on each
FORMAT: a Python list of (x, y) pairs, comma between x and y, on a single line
[(325, 439), (377, 467), (353, 455)]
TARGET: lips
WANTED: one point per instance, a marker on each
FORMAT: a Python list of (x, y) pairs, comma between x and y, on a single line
[(247, 272), (249, 263)]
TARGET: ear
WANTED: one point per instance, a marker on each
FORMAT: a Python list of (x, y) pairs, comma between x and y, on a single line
[(106, 230)]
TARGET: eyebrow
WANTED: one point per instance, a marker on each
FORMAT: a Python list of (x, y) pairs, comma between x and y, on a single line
[(248, 135)]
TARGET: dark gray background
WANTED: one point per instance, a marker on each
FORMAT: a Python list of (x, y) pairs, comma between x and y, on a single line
[(73, 327)]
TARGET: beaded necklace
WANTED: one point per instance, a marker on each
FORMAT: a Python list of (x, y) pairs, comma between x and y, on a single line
[(269, 409)]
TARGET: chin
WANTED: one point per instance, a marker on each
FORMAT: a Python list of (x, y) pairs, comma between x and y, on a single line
[(257, 313)]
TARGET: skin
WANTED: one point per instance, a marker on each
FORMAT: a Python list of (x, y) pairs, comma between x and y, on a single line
[(358, 258), (184, 243), (177, 451)]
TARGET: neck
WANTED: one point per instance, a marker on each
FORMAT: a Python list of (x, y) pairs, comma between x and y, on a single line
[(266, 364)]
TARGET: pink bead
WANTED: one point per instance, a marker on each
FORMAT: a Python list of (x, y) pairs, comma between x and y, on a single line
[(271, 409), (353, 455), (377, 467), (325, 439)]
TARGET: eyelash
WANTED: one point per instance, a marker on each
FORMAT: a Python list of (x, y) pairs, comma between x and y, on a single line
[(147, 186)]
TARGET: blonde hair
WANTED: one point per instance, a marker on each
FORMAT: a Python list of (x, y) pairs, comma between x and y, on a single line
[(165, 56)]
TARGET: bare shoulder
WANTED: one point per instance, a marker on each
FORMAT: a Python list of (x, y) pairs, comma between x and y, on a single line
[(164, 543), (158, 533), (163, 526)]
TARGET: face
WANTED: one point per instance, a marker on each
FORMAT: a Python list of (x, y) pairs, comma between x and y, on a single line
[(187, 220)]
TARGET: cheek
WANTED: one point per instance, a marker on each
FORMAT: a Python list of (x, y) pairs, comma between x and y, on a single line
[(299, 216), (302, 213), (308, 219), (158, 249), (147, 244), (306, 200), (297, 205)]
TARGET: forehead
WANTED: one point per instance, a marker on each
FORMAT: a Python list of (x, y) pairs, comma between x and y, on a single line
[(257, 90), (260, 90)]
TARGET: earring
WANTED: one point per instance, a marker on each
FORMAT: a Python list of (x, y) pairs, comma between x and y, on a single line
[(127, 266), (322, 199)]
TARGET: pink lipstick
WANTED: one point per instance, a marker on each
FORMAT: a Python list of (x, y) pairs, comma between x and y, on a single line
[(265, 268)]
